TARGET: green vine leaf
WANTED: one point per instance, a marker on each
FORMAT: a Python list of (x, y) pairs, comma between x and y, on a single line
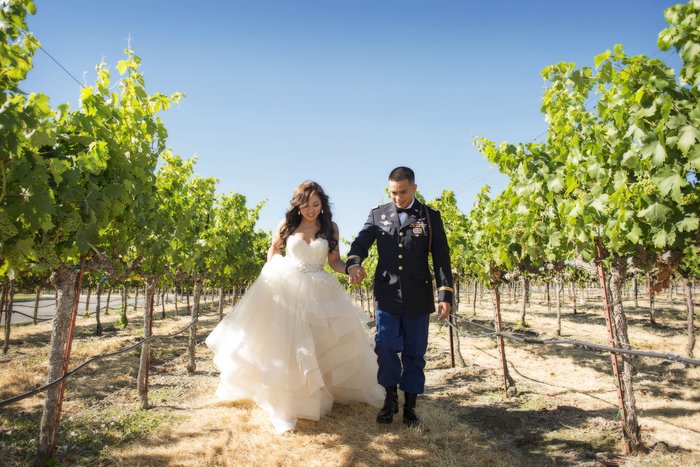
[(655, 151), (687, 137), (655, 213)]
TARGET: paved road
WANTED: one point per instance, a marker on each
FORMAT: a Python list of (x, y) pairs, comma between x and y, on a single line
[(47, 308)]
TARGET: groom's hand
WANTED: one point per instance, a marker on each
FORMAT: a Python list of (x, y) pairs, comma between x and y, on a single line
[(357, 274), (444, 309)]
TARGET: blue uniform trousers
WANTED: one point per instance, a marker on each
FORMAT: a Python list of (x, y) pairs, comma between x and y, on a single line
[(408, 336)]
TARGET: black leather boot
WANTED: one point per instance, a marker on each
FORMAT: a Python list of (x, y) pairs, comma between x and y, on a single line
[(409, 410), (391, 406)]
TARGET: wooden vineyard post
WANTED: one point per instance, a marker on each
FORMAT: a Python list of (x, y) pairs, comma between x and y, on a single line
[(612, 339), (690, 309), (36, 305), (452, 343), (8, 316), (3, 300), (192, 343), (109, 297), (87, 303), (221, 303), (508, 382), (98, 298), (162, 304)]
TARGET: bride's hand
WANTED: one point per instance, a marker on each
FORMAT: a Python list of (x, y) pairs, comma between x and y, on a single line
[(357, 274)]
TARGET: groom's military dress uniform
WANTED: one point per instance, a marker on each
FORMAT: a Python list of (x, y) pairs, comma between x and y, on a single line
[(403, 289)]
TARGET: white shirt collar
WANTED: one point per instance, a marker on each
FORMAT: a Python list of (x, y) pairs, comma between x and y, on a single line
[(410, 205)]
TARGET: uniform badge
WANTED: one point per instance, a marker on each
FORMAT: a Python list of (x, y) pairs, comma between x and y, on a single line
[(386, 222), (383, 216), (418, 227)]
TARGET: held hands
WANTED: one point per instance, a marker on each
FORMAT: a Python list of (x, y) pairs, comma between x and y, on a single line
[(357, 274), (444, 309)]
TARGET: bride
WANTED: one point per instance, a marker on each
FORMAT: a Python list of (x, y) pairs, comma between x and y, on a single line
[(295, 342)]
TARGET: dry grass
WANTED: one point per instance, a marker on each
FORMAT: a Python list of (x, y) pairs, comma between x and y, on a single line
[(563, 413), (240, 434)]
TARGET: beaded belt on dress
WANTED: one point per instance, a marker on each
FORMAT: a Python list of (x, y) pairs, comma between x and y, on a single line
[(309, 267)]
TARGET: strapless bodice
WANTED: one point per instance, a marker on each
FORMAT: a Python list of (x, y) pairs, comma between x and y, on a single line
[(307, 257)]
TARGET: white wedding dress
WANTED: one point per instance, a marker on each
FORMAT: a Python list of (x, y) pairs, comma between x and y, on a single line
[(295, 343)]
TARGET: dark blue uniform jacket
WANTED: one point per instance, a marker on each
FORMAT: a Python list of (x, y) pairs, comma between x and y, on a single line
[(402, 280)]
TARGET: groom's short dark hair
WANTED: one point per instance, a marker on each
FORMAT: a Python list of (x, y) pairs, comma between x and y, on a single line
[(402, 173)]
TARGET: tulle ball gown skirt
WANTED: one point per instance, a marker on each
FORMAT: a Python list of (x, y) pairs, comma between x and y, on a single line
[(295, 344)]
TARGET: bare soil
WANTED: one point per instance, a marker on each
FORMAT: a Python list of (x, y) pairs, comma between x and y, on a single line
[(564, 412)]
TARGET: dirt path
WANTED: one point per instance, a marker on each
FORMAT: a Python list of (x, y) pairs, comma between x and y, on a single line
[(564, 412)]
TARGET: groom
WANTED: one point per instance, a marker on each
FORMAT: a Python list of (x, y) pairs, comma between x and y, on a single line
[(406, 231)]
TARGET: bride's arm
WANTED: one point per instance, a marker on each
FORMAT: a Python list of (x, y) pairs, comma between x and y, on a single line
[(274, 248), (334, 261)]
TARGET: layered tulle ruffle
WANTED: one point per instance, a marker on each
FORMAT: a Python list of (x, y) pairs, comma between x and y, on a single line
[(294, 344)]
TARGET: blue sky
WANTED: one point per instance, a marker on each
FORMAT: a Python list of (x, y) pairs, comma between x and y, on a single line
[(338, 91)]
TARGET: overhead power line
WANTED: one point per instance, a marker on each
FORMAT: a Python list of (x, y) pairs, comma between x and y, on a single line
[(56, 61)]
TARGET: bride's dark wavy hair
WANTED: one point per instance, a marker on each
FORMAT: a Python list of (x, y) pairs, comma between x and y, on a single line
[(300, 199)]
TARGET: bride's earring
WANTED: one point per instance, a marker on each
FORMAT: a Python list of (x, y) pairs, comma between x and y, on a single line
[(321, 211)]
